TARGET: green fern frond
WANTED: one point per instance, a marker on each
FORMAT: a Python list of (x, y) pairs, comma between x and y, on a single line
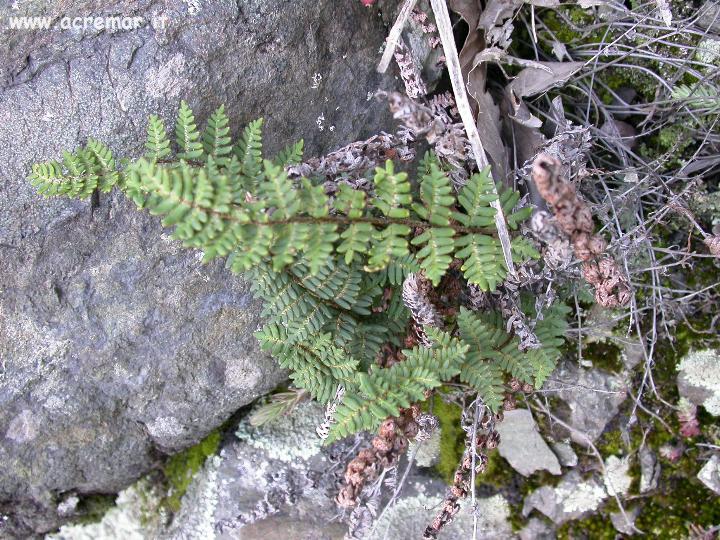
[(483, 262), (435, 256), (387, 244), (349, 201), (290, 155), (157, 145), (216, 139), (436, 195), (400, 268), (508, 200), (523, 250), (102, 163), (380, 394), (392, 190), (475, 198), (330, 267), (187, 135), (249, 153)]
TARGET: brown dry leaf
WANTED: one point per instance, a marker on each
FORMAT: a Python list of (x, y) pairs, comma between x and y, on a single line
[(488, 113), (499, 56), (535, 80), (498, 11)]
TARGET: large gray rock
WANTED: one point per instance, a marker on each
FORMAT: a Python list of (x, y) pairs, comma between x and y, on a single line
[(116, 344)]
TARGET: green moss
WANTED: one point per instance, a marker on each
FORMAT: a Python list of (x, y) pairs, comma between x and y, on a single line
[(452, 442), (180, 468), (603, 355), (595, 527), (92, 508), (499, 473)]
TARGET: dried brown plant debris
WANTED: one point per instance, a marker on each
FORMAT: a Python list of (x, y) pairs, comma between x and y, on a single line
[(410, 71), (421, 18), (385, 451), (575, 219), (485, 438), (416, 297), (355, 158)]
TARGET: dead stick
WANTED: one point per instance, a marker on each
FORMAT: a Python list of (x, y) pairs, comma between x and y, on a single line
[(442, 18), (394, 34)]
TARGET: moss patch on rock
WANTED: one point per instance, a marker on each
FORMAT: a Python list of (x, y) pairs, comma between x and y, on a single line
[(180, 468)]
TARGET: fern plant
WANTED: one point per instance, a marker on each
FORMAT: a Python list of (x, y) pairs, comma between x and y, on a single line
[(330, 269)]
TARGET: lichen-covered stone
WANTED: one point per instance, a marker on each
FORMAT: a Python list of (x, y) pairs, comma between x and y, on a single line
[(135, 516), (572, 498), (617, 475), (288, 437), (699, 379), (522, 445), (407, 519)]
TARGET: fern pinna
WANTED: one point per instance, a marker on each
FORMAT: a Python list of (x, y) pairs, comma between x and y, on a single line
[(331, 268)]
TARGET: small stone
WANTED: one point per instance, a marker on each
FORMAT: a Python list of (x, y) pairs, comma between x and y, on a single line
[(710, 474), (523, 447), (623, 525), (650, 470), (565, 453), (68, 505)]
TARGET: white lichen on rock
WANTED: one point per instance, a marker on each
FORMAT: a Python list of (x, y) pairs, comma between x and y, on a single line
[(427, 452), (617, 475), (571, 499), (699, 379), (582, 497), (135, 516), (407, 519), (288, 437)]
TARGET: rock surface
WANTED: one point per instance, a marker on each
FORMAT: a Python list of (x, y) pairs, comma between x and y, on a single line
[(267, 485), (522, 445), (593, 397), (115, 342)]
